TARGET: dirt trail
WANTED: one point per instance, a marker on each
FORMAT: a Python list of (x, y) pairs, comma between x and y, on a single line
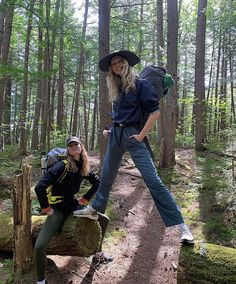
[(144, 254)]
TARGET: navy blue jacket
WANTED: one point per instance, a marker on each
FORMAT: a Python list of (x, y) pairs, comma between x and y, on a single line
[(128, 108)]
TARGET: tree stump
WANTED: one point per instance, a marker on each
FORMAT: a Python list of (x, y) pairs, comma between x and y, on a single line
[(23, 247)]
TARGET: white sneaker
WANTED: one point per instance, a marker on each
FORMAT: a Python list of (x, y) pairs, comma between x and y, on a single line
[(87, 212), (187, 237)]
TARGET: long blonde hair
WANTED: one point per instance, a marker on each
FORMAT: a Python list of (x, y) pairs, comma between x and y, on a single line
[(125, 81), (71, 165)]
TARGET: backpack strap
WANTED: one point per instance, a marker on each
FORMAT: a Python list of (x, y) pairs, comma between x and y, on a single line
[(53, 199)]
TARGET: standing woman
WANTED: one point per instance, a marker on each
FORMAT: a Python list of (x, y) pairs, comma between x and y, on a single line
[(65, 177), (130, 95)]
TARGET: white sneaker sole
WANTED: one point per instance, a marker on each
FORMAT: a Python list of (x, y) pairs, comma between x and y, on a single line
[(86, 216), (185, 241)]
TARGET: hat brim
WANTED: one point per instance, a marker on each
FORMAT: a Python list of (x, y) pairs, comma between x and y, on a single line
[(73, 140), (131, 57)]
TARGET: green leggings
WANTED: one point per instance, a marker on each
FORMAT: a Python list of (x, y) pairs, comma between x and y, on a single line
[(52, 225), (48, 231)]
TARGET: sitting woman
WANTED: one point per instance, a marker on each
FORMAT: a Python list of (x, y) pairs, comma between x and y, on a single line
[(64, 178)]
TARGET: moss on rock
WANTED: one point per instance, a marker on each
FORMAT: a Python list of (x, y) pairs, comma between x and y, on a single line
[(217, 266)]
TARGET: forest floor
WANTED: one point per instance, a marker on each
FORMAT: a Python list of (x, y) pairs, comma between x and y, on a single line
[(143, 250)]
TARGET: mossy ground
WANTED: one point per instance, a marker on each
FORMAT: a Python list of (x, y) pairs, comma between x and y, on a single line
[(217, 265)]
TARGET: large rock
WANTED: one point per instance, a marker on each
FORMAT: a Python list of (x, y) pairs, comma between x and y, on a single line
[(79, 236)]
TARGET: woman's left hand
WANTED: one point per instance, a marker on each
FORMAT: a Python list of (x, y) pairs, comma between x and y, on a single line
[(137, 137)]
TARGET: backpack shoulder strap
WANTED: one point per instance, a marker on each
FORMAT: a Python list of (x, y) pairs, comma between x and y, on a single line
[(63, 175)]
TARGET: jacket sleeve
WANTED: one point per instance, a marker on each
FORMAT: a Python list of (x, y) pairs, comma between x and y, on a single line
[(48, 179), (149, 98), (94, 180)]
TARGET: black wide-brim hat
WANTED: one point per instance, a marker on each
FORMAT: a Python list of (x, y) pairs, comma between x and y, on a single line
[(131, 57)]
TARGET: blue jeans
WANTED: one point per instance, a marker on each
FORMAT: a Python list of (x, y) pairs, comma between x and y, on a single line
[(119, 142)]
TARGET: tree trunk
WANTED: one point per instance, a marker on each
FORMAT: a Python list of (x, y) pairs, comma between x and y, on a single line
[(86, 121), (5, 46), (233, 111), (182, 124), (60, 98), (160, 39), (104, 104), (79, 72), (140, 44), (95, 108), (199, 88), (7, 111), (167, 157), (52, 106), (216, 113), (160, 60), (38, 104), (23, 246), (2, 19), (22, 119), (45, 129), (222, 97), (210, 90)]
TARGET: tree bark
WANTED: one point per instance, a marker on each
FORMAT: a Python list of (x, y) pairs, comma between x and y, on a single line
[(5, 46), (79, 72), (233, 111), (199, 105), (23, 247), (60, 98), (216, 113), (2, 19), (167, 158), (160, 38), (45, 128), (22, 119), (182, 124), (92, 141), (160, 59), (38, 103), (104, 104), (7, 111)]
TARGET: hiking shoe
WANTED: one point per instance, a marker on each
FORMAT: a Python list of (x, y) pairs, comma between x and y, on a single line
[(187, 237), (87, 212), (101, 258)]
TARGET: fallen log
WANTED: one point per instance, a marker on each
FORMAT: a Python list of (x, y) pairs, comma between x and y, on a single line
[(216, 265), (78, 237)]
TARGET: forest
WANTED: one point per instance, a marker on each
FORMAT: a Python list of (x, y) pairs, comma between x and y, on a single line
[(51, 87)]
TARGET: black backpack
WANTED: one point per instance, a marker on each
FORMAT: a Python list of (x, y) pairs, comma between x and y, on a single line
[(158, 78)]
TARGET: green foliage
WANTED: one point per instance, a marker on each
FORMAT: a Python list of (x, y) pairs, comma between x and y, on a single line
[(10, 164), (216, 198), (7, 275), (184, 140), (217, 233)]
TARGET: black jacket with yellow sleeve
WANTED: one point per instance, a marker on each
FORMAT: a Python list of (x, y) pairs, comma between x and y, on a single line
[(58, 187)]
